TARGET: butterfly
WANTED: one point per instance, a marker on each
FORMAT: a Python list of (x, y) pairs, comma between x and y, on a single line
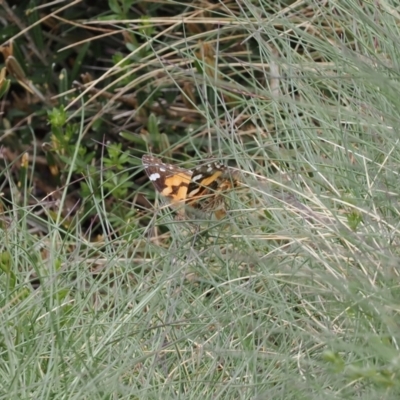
[(201, 188)]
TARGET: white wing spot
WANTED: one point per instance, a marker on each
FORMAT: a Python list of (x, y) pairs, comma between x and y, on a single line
[(162, 169), (155, 176), (197, 177)]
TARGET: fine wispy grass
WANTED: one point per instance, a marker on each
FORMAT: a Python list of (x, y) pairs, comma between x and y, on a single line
[(294, 295)]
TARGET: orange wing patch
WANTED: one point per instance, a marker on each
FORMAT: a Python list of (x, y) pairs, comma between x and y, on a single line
[(176, 187)]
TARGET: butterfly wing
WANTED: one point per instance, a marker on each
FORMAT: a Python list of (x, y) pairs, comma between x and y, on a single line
[(171, 181), (206, 180)]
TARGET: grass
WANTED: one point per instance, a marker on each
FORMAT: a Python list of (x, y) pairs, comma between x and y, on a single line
[(293, 295)]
